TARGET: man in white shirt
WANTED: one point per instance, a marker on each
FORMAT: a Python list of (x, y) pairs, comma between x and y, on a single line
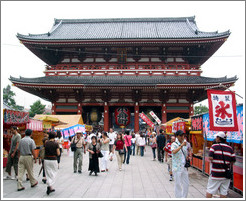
[(112, 137)]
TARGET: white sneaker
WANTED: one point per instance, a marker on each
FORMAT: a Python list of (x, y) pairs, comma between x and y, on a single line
[(8, 177)]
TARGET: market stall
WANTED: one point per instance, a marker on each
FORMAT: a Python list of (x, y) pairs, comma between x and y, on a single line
[(12, 117), (234, 139)]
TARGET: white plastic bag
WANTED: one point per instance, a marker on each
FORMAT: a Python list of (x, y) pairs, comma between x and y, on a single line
[(111, 156)]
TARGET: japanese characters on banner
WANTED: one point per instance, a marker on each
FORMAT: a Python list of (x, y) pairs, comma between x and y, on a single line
[(235, 137), (15, 117), (35, 125), (144, 117), (181, 126), (71, 131), (169, 129), (222, 110), (155, 117), (122, 116), (196, 123)]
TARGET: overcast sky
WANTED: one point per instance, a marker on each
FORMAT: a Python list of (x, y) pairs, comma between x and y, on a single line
[(38, 17)]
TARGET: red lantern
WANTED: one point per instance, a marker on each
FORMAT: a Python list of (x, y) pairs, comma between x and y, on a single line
[(122, 116)]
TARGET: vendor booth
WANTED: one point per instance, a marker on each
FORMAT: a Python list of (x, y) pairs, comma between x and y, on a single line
[(202, 139), (12, 117)]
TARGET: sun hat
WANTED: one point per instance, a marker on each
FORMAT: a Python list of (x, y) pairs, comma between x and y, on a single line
[(220, 134)]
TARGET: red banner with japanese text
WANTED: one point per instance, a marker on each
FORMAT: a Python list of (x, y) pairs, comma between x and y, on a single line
[(15, 117), (181, 126), (196, 123), (169, 129), (146, 119), (222, 110)]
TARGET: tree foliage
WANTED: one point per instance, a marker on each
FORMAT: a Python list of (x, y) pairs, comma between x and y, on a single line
[(8, 98), (200, 109), (36, 108)]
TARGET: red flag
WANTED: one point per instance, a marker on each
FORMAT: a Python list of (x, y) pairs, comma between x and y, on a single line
[(222, 110)]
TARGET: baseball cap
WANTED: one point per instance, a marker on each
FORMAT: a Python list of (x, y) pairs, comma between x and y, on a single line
[(179, 132), (220, 134)]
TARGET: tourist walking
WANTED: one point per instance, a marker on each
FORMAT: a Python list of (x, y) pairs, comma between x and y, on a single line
[(153, 144), (41, 156), (94, 149), (128, 143), (161, 142), (52, 150), (133, 141), (119, 146), (13, 154), (78, 153), (112, 137), (180, 173), (141, 144), (221, 156), (137, 144), (26, 151), (168, 157), (105, 151), (60, 141)]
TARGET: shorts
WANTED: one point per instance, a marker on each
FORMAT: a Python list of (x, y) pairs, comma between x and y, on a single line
[(169, 164), (214, 185)]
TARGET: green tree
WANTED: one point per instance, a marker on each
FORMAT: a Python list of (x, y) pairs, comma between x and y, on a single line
[(36, 108), (8, 98), (200, 109)]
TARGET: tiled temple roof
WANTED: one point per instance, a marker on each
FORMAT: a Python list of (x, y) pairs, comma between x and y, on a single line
[(123, 29)]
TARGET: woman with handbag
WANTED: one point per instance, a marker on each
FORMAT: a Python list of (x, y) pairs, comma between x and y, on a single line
[(94, 150), (104, 140), (153, 144), (119, 147)]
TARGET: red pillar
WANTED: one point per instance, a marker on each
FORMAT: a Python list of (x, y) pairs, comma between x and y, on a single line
[(79, 109), (136, 117), (53, 108), (163, 113), (191, 112), (106, 117)]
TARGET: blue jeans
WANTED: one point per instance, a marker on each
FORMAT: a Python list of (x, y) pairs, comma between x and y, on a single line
[(153, 150), (127, 157), (142, 150), (133, 149)]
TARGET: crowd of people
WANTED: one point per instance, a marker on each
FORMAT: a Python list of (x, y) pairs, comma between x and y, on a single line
[(175, 151)]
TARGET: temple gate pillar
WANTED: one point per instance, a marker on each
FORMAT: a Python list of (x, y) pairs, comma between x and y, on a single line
[(136, 117), (53, 108), (163, 113), (191, 111), (80, 110), (106, 117)]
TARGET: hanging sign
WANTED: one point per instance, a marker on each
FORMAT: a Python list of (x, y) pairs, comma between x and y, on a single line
[(35, 125), (155, 117), (71, 131), (144, 117), (47, 125), (181, 126), (174, 127), (169, 129), (222, 110), (15, 117), (196, 123), (122, 116)]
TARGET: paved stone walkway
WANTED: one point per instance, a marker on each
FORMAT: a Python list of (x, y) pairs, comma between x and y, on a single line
[(142, 178)]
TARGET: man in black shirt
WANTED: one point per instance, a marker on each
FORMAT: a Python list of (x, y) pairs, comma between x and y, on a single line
[(161, 142)]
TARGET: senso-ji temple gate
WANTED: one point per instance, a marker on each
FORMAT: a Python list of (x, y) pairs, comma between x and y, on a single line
[(97, 66)]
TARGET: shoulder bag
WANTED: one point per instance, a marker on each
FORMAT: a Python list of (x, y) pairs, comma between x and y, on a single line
[(228, 172), (73, 145), (187, 161)]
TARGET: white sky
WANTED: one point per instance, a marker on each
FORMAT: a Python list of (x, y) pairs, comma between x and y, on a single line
[(38, 17)]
